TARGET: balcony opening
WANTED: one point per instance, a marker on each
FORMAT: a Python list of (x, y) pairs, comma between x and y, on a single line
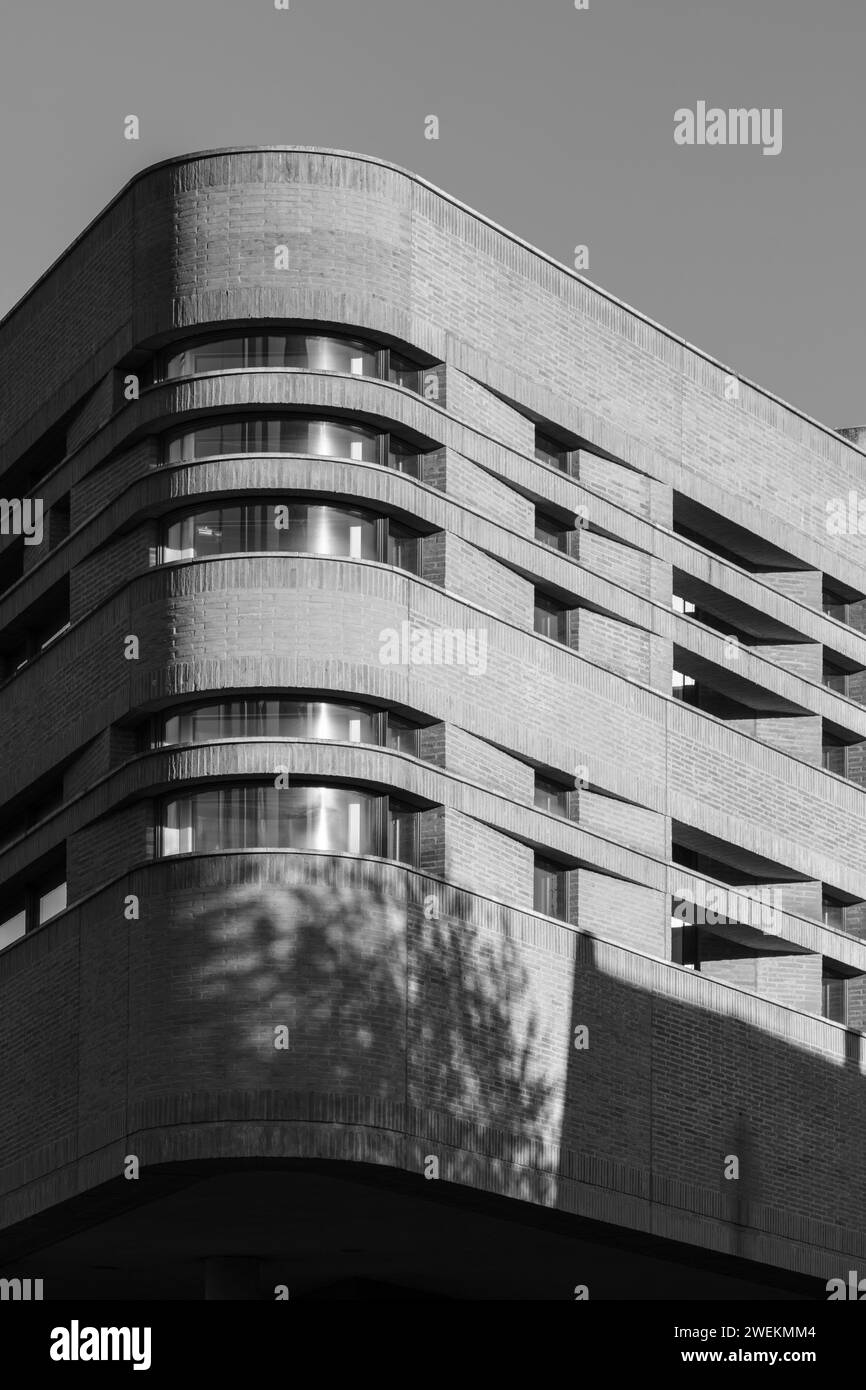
[(713, 532), (35, 630), (33, 898)]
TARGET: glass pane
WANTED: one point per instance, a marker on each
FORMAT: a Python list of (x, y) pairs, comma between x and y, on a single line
[(348, 723), (11, 928), (262, 718), (833, 913), (320, 352), (315, 530), (550, 618), (403, 829), (279, 434), (404, 548), (835, 678), (52, 902), (550, 532), (404, 372), (177, 827), (404, 457), (549, 882), (341, 531), (224, 355), (218, 438), (835, 1001), (402, 735), (833, 758), (326, 354), (336, 820), (551, 796), (550, 451)]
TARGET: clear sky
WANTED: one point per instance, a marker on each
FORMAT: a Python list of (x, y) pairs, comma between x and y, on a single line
[(554, 122)]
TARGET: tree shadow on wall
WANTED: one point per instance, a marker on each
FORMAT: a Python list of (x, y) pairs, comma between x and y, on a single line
[(423, 1026)]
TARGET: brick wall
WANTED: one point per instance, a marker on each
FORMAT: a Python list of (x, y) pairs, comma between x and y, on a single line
[(467, 1016)]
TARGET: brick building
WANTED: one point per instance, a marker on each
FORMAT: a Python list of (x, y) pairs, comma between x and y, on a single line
[(433, 729)]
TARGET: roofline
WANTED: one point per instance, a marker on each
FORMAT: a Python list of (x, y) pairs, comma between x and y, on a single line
[(455, 202)]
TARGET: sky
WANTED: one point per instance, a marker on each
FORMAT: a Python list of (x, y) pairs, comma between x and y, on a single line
[(557, 123)]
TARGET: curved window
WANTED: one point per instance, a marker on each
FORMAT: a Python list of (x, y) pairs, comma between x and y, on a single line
[(292, 434), (291, 528), (334, 820), (281, 434), (263, 717), (314, 352)]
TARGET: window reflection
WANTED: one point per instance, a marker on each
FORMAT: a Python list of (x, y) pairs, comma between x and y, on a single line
[(315, 352), (284, 434), (291, 528), (287, 718), (333, 820), (292, 434)]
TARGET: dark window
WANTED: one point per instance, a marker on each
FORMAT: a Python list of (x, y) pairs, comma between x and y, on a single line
[(835, 678), (58, 520), (551, 617), (833, 912), (404, 372), (550, 888), (834, 995), (12, 563), (834, 605), (403, 547), (834, 754), (551, 531), (402, 457), (402, 832), (551, 795), (551, 451), (402, 735), (30, 644)]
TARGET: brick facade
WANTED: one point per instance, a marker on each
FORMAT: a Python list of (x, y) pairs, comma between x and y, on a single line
[(450, 1029)]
